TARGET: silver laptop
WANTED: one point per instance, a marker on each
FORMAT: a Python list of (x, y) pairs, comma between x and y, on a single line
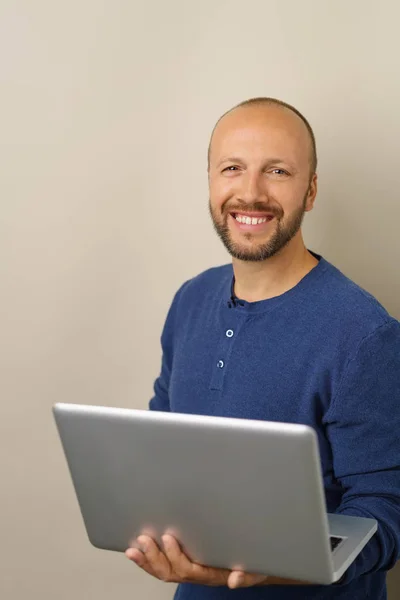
[(236, 493)]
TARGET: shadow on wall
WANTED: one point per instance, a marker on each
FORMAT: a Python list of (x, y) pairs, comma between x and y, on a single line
[(394, 582)]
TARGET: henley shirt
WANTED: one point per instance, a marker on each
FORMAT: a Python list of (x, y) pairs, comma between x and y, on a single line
[(326, 354)]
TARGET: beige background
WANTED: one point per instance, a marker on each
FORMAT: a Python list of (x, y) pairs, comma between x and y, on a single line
[(106, 108)]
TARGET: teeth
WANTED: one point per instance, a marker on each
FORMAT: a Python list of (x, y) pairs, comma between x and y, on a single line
[(250, 220)]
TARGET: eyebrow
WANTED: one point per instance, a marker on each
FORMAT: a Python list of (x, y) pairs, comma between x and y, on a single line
[(270, 161), (229, 159)]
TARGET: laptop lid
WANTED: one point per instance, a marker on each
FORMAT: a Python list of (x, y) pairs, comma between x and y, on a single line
[(236, 493)]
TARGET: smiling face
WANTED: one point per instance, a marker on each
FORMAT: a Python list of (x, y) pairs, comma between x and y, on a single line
[(260, 180)]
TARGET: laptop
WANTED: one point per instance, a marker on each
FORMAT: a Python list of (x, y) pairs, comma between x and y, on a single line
[(237, 494)]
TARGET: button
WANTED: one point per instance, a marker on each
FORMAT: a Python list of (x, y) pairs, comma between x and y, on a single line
[(229, 333), (220, 364)]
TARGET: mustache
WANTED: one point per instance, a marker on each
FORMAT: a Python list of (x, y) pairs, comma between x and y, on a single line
[(252, 207)]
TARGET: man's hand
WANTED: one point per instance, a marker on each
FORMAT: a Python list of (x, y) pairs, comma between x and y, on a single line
[(170, 564)]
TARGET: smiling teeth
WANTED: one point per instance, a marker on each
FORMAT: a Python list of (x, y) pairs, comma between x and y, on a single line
[(249, 220)]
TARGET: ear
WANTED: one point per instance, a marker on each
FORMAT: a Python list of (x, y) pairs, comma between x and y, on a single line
[(312, 193)]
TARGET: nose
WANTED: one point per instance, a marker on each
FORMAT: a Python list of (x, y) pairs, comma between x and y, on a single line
[(251, 188)]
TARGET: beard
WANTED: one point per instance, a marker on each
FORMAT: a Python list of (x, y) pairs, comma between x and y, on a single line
[(283, 234)]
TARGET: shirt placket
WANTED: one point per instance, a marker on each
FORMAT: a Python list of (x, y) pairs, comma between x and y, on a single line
[(230, 328)]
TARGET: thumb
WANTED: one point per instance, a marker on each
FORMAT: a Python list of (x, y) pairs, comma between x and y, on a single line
[(240, 579)]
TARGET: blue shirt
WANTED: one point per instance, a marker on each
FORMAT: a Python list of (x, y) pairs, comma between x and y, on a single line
[(326, 354)]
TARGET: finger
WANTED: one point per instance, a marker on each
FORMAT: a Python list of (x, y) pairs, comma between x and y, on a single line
[(135, 555), (240, 579), (188, 571), (178, 560), (156, 560), (139, 559)]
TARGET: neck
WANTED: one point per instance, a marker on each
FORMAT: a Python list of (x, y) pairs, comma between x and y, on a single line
[(256, 281)]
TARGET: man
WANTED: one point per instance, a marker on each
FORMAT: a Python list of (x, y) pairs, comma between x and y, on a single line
[(283, 335)]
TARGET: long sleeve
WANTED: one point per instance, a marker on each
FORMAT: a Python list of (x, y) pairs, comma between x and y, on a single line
[(160, 400), (363, 426)]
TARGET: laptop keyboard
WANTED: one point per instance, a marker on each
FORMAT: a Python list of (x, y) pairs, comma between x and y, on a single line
[(335, 541)]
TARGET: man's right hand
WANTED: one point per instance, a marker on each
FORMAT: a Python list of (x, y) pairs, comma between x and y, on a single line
[(172, 565)]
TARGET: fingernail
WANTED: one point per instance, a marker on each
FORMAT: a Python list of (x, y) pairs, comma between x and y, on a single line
[(142, 544), (239, 579), (134, 558), (166, 542)]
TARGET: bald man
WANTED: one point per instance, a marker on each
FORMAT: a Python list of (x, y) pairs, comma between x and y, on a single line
[(282, 335)]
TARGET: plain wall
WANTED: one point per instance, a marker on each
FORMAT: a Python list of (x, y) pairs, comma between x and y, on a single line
[(106, 110)]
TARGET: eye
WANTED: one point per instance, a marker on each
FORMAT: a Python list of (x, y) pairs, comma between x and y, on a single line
[(279, 172), (230, 168)]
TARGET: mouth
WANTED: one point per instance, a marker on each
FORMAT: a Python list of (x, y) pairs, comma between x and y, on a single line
[(254, 222)]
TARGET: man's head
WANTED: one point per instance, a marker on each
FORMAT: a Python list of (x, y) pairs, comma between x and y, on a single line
[(262, 162)]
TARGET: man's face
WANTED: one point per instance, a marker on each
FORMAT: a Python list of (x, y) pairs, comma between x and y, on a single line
[(259, 178)]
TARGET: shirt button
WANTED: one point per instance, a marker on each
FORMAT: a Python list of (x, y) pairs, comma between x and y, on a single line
[(220, 364), (229, 333)]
